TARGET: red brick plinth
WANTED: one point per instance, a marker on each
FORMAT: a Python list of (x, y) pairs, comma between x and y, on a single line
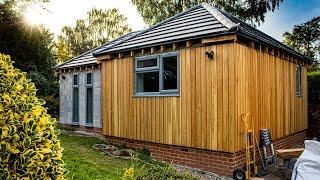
[(221, 163)]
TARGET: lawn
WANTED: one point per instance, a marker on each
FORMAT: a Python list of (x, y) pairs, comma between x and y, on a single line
[(84, 162)]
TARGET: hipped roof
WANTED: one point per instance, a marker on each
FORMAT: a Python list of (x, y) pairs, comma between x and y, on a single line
[(200, 21)]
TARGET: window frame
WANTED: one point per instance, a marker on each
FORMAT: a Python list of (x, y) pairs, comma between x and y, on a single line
[(159, 69), (298, 80)]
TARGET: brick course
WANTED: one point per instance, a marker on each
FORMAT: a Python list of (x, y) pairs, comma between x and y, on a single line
[(222, 163)]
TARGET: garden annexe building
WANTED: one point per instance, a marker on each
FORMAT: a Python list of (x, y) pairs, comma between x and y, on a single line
[(180, 87)]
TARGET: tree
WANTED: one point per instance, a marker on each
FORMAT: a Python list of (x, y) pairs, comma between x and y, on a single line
[(31, 48), (98, 28), (305, 38), (29, 144), (252, 11)]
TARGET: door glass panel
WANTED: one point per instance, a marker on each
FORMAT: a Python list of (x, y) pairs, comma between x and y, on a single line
[(75, 107), (89, 106)]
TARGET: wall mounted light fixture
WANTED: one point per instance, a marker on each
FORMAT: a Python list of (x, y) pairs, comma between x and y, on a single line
[(210, 54)]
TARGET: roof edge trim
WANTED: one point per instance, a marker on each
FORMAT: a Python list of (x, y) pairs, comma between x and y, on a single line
[(219, 16)]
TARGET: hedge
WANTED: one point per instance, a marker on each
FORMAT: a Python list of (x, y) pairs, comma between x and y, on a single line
[(314, 88)]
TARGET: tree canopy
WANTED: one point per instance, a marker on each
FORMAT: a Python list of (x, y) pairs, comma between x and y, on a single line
[(98, 28), (252, 11), (31, 48), (305, 38)]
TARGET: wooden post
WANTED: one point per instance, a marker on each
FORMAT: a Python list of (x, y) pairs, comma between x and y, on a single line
[(188, 44), (153, 50), (162, 48), (260, 47), (251, 44), (120, 55), (131, 53), (174, 46), (142, 51)]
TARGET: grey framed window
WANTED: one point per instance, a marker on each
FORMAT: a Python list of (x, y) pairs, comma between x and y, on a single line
[(157, 75), (89, 99), (75, 100), (298, 80)]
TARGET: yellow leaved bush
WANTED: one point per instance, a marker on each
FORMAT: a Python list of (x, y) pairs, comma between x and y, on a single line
[(29, 145)]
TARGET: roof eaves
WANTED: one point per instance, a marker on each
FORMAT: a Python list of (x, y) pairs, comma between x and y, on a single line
[(261, 38), (81, 55), (287, 49), (219, 16)]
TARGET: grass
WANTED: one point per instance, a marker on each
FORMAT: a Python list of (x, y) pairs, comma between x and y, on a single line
[(84, 162)]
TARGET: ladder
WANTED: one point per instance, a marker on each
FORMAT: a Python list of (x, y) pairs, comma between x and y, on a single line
[(251, 168)]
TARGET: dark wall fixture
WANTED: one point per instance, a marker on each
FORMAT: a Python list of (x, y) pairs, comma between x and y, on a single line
[(63, 77), (210, 54)]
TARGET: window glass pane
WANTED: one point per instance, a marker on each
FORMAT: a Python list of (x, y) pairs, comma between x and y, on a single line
[(298, 80), (170, 72), (89, 78), (89, 106), (75, 105), (75, 79), (147, 63), (148, 82)]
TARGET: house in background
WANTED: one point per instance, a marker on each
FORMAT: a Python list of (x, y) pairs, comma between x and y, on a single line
[(179, 89)]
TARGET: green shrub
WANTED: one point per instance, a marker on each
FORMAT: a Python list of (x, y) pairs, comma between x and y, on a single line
[(29, 147), (314, 88)]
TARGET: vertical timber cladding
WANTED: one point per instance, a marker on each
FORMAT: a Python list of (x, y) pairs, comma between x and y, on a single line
[(203, 116), (213, 95), (266, 87)]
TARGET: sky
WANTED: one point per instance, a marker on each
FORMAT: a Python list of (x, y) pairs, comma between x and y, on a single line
[(290, 13), (65, 12)]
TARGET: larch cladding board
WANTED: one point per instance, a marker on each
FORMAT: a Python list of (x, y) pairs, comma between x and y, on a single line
[(213, 95), (266, 88)]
